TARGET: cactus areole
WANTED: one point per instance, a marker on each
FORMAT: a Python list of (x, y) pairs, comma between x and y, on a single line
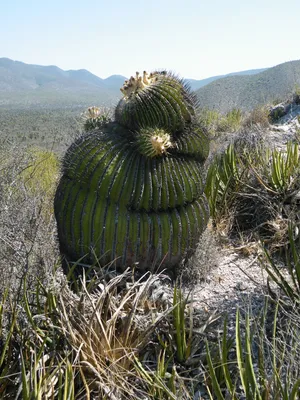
[(131, 191)]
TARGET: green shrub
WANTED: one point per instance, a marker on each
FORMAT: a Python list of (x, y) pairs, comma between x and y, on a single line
[(41, 172), (217, 123), (210, 119), (231, 122)]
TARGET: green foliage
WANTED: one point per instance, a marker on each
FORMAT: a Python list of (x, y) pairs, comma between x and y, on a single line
[(210, 119), (183, 337), (217, 123), (284, 169), (222, 183), (41, 172), (35, 356), (89, 345), (161, 384), (232, 121), (277, 112), (110, 336)]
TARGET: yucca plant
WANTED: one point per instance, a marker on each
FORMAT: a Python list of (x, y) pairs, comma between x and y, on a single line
[(255, 364), (287, 279), (131, 192), (284, 169), (222, 183)]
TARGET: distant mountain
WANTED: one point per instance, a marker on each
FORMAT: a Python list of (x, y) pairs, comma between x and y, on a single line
[(249, 91), (36, 85), (27, 85), (115, 81), (197, 84)]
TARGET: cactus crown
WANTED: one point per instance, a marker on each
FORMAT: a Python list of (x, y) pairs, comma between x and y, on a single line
[(138, 83), (158, 99)]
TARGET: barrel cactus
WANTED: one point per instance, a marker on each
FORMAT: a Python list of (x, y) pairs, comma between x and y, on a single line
[(131, 191)]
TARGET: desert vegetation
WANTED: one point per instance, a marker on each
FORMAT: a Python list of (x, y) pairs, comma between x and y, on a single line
[(137, 336), (49, 128)]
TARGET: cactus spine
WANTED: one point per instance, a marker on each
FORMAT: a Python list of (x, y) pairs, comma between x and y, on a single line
[(131, 191)]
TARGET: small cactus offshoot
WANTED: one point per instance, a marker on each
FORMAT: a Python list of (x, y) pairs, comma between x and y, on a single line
[(94, 118), (153, 142), (131, 190)]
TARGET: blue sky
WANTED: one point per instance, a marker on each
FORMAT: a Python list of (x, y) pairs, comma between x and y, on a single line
[(194, 38)]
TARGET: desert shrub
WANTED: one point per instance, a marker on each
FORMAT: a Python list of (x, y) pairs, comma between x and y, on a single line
[(27, 181), (41, 172), (121, 337), (112, 338), (287, 279), (276, 113), (231, 122), (258, 117), (210, 119), (217, 123)]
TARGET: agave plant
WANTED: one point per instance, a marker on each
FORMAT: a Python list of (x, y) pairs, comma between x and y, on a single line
[(131, 192)]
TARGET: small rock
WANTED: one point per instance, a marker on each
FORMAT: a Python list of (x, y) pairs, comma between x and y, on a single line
[(241, 286), (277, 112)]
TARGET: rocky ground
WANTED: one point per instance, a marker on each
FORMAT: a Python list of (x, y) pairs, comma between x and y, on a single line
[(236, 277)]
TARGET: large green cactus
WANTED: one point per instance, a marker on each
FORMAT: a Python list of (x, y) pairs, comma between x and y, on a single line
[(131, 191)]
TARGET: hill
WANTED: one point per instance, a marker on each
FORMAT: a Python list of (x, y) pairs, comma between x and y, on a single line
[(35, 85), (249, 91), (197, 84)]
